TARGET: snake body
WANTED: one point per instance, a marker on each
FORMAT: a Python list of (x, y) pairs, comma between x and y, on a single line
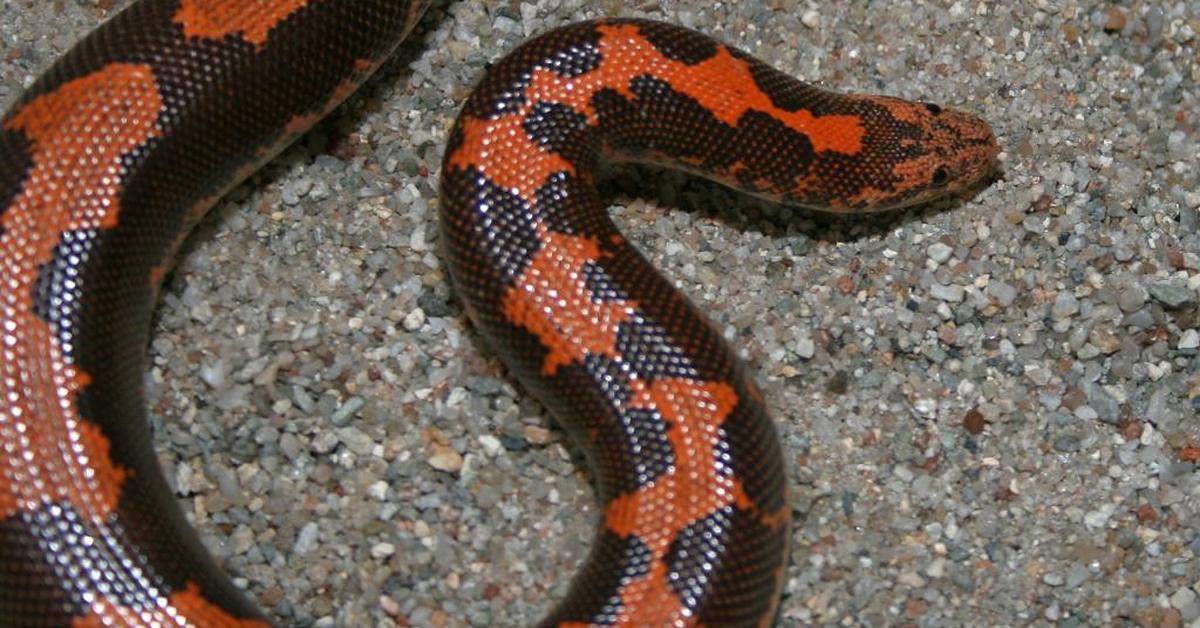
[(116, 151)]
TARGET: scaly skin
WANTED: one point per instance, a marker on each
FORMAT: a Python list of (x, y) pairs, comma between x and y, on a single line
[(114, 153)]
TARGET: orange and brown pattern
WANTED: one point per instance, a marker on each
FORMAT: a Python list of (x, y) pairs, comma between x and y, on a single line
[(689, 467), (107, 161), (111, 156)]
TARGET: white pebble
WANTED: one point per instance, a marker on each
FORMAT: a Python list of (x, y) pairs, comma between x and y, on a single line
[(491, 445), (414, 320), (382, 550), (939, 252)]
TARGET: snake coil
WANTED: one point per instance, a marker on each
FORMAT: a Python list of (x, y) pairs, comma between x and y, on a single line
[(114, 153)]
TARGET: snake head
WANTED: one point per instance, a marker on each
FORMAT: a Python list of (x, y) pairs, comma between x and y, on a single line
[(924, 151)]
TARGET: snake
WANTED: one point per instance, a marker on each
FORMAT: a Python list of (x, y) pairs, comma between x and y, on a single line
[(115, 152)]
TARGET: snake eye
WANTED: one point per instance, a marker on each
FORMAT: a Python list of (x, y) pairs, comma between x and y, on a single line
[(932, 108), (939, 176)]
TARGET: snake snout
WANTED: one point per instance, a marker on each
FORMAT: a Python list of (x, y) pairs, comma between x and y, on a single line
[(969, 146)]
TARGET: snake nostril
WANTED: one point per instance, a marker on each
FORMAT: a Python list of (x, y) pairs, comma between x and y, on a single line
[(932, 108)]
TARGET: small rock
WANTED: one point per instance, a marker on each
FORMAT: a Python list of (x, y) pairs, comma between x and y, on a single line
[(1141, 319), (1038, 374), (1105, 340), (973, 421), (306, 540), (389, 606), (1114, 20), (1189, 339), (289, 444), (1076, 575), (1067, 444), (1131, 299), (324, 443), (939, 252), (1107, 409), (343, 414), (936, 568), (806, 348), (537, 435), (380, 551), (491, 445), (1185, 599), (1172, 294), (1098, 518), (1065, 304), (951, 294), (445, 459), (414, 320), (1003, 293), (911, 579), (356, 440)]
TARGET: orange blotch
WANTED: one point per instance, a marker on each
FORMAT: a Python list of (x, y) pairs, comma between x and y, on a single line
[(216, 19), (77, 137), (724, 85), (58, 449), (504, 153), (691, 491), (552, 300), (79, 133), (183, 607)]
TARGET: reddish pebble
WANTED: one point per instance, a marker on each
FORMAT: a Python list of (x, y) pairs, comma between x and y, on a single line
[(1116, 20), (973, 421)]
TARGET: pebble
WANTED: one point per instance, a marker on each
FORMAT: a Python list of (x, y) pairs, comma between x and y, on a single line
[(307, 539), (1115, 19), (537, 435), (1131, 299), (1065, 305), (936, 568), (806, 348), (445, 459), (491, 445), (951, 294), (380, 551), (414, 320), (347, 411), (939, 252), (1172, 294), (1188, 602), (356, 440), (1003, 293)]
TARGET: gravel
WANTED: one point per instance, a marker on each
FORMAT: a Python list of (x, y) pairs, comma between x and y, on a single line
[(990, 407)]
